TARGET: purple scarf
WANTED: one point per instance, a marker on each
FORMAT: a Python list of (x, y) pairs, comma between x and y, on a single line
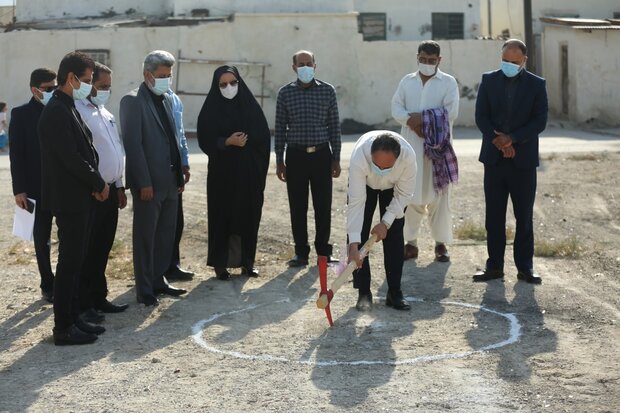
[(438, 148)]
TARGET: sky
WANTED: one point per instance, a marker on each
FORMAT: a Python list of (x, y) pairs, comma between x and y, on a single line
[(6, 2)]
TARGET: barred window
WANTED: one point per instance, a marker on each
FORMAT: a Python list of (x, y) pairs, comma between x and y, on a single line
[(372, 26), (98, 55), (448, 26)]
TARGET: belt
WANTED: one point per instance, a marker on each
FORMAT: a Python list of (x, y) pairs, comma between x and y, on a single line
[(308, 149)]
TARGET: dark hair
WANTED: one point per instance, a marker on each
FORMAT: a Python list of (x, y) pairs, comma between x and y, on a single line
[(2, 106), (76, 62), (302, 52), (41, 75), (515, 44), (99, 69), (429, 47), (387, 143)]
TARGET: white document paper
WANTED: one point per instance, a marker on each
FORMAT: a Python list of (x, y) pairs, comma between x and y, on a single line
[(24, 222)]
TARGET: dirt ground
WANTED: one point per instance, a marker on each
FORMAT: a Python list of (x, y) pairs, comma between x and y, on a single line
[(262, 345)]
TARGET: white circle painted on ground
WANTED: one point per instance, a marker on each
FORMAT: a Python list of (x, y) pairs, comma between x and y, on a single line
[(513, 336)]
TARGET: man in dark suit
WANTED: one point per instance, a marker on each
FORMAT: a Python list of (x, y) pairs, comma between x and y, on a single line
[(25, 158), (154, 175), (70, 185), (511, 111)]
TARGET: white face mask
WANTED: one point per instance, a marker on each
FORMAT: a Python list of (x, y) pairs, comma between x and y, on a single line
[(103, 96), (83, 91), (230, 91), (427, 70), (161, 86), (46, 96)]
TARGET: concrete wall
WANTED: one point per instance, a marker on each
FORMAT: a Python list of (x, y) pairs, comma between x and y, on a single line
[(30, 10), (365, 74), (593, 62), (508, 14), (227, 7), (6, 15), (408, 20)]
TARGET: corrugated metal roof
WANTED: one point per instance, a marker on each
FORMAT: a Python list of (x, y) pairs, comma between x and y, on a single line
[(583, 24)]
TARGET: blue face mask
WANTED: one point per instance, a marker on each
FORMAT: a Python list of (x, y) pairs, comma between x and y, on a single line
[(305, 74), (379, 171), (83, 91), (510, 69)]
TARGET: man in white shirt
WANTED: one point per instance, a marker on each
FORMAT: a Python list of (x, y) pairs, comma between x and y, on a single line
[(104, 218), (427, 88), (382, 167)]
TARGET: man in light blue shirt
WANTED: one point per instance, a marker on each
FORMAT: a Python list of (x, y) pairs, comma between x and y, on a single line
[(175, 272)]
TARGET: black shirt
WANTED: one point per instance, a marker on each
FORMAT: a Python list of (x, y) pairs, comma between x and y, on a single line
[(175, 155), (510, 89)]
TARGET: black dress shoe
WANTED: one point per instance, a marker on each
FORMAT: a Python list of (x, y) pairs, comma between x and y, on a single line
[(91, 316), (364, 302), (332, 260), (48, 295), (396, 300), (148, 300), (180, 274), (170, 290), (298, 261), (487, 275), (222, 274), (250, 272), (107, 307), (529, 277), (88, 327), (73, 336)]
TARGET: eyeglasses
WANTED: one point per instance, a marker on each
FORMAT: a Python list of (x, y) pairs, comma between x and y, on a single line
[(48, 89), (231, 83)]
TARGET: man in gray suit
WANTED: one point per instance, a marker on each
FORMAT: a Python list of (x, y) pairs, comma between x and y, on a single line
[(154, 175)]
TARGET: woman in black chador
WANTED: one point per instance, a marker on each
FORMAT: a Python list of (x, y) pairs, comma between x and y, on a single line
[(233, 132)]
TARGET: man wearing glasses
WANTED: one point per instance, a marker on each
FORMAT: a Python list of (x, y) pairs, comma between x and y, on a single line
[(25, 158), (427, 89)]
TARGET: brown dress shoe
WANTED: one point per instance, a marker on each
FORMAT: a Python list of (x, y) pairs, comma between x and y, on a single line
[(441, 253), (411, 252)]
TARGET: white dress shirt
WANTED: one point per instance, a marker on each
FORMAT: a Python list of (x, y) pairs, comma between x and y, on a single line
[(401, 178), (106, 140), (413, 97)]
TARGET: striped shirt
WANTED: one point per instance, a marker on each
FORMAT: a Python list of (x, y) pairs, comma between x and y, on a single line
[(307, 117)]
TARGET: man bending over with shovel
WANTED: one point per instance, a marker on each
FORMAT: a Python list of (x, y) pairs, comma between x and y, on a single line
[(382, 167)]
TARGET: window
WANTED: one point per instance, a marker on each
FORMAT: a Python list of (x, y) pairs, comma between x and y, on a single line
[(98, 55), (372, 26), (448, 26)]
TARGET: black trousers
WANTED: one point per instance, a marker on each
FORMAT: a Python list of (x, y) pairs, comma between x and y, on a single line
[(176, 252), (73, 237), (500, 181), (310, 170), (103, 223), (393, 257), (41, 233)]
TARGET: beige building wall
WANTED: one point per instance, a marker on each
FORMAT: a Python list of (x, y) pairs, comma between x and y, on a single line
[(592, 91), (6, 15), (365, 74)]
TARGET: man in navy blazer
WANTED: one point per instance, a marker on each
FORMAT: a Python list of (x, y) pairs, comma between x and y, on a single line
[(511, 111), (26, 169)]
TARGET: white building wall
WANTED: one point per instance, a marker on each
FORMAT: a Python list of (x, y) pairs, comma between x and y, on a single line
[(365, 74), (31, 10), (411, 20), (228, 7), (593, 62)]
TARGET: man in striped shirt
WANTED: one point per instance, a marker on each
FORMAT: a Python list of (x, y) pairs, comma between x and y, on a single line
[(308, 128)]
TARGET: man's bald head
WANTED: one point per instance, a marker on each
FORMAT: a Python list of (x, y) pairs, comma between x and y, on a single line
[(515, 44)]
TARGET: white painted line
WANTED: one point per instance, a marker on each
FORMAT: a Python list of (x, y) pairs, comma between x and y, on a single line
[(513, 337)]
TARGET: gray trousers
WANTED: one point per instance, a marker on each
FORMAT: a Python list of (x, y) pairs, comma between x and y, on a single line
[(154, 226)]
